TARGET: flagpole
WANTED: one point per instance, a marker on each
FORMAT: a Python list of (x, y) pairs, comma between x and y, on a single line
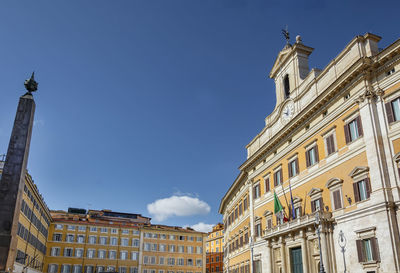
[(291, 200), (287, 204)]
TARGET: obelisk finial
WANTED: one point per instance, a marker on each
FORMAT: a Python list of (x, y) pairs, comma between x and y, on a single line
[(30, 84)]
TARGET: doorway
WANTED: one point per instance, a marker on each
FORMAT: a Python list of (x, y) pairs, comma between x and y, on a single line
[(296, 260)]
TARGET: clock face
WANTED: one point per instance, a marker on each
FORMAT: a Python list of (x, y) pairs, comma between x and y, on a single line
[(288, 112)]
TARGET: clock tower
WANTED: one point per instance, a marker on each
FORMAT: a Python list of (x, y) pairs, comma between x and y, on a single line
[(289, 71)]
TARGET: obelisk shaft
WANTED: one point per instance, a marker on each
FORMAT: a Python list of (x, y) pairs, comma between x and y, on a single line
[(13, 180)]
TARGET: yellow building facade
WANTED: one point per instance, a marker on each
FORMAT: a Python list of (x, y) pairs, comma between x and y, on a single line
[(33, 224), (107, 241), (215, 248), (330, 148)]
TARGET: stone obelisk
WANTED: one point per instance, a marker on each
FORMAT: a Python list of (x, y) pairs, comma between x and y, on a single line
[(13, 176)]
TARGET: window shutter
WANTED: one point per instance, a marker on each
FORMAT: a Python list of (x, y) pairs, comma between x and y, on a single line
[(312, 206), (359, 126), (368, 187), (290, 170), (275, 179), (267, 185), (347, 133), (336, 199), (321, 203), (389, 112), (281, 176), (254, 192), (330, 144), (316, 153), (297, 166), (307, 159), (269, 223), (356, 193), (375, 249), (300, 211), (360, 251)]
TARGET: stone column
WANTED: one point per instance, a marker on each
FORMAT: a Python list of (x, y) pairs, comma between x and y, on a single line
[(13, 179), (283, 254), (268, 257), (324, 249), (304, 251)]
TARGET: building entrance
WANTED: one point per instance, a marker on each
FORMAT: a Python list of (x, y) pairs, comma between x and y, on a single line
[(296, 260)]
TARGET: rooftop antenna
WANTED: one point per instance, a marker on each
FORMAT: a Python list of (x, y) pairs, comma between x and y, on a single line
[(285, 33)]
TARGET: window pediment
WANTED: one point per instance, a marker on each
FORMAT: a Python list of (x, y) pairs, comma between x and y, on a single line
[(334, 183), (267, 213), (257, 219), (296, 200), (314, 191), (357, 171), (396, 158)]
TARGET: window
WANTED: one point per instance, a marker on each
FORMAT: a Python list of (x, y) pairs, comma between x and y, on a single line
[(171, 248), (330, 143), (245, 203), (89, 269), (278, 177), (199, 250), (390, 72), (337, 199), (190, 249), (199, 262), (112, 254), (293, 167), (172, 237), (163, 236), (93, 229), (161, 260), (77, 269), (123, 255), (125, 231), (267, 185), (153, 247), (53, 268), (81, 239), (181, 238), (69, 238), (135, 242), (59, 226), (297, 212), (122, 269), (133, 270), (286, 86), (55, 251), (162, 247), (171, 261), (92, 239), (181, 249), (135, 232), (124, 241), (180, 261), (102, 254), (256, 191), (134, 256), (68, 252), (393, 110), (362, 190), (317, 205), (66, 268), (114, 231), (353, 130), (70, 227), (114, 241), (103, 240), (146, 247), (104, 230), (91, 253), (258, 229), (367, 250), (57, 237), (312, 156), (79, 253)]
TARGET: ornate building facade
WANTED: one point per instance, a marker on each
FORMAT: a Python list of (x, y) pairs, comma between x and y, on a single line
[(106, 241), (330, 147), (214, 249)]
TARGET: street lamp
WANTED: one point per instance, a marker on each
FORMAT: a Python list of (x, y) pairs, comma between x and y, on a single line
[(317, 227), (342, 243)]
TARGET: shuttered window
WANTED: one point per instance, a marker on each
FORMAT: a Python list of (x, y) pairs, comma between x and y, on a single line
[(317, 205), (393, 110), (312, 156), (330, 144), (337, 199), (362, 190), (278, 177), (353, 130), (256, 191), (293, 167), (368, 250), (267, 185)]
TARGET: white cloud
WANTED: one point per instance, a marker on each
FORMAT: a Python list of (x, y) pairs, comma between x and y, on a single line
[(202, 227), (162, 209)]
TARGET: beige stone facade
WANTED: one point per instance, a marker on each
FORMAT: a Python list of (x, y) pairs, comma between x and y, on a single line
[(333, 141)]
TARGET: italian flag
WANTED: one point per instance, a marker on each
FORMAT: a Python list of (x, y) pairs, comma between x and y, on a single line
[(278, 209)]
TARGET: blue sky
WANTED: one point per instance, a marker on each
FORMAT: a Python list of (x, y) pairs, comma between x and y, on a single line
[(146, 106)]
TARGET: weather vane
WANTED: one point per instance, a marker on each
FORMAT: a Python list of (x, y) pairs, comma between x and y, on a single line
[(30, 84), (285, 33)]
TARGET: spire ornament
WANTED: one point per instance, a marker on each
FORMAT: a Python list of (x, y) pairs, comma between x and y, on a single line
[(30, 84), (285, 33)]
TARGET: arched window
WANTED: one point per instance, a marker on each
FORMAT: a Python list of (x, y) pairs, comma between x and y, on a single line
[(286, 85)]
